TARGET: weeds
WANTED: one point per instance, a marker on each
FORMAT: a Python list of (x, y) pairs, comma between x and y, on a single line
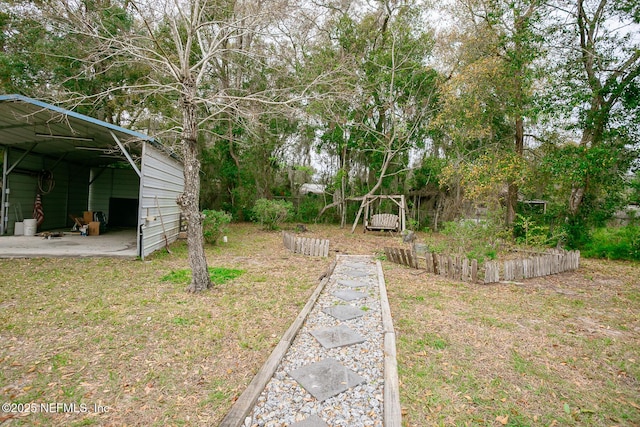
[(218, 275)]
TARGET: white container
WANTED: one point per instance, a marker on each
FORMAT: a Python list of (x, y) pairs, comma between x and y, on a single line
[(18, 228), (30, 227)]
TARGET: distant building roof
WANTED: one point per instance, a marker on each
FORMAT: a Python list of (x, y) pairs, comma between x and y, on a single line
[(311, 188)]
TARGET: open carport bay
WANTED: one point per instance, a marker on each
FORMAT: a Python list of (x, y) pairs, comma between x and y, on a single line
[(116, 243), (57, 164)]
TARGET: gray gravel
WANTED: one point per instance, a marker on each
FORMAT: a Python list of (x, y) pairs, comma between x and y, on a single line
[(284, 402)]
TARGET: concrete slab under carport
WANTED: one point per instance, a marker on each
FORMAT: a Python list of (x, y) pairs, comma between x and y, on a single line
[(115, 243)]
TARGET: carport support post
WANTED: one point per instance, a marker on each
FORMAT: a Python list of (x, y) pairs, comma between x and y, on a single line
[(4, 212)]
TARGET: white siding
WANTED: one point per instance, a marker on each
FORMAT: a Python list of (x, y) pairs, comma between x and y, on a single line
[(161, 183)]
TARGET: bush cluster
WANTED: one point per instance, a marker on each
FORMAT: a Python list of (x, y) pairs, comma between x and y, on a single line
[(271, 213), (614, 243), (214, 225)]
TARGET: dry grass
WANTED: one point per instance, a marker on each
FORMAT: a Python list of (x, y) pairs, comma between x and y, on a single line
[(110, 332), (562, 350)]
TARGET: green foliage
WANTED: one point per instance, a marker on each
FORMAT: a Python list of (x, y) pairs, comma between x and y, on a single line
[(428, 173), (563, 167), (308, 208), (477, 240), (218, 275), (614, 243), (529, 232), (271, 213), (634, 189), (214, 225), (412, 224)]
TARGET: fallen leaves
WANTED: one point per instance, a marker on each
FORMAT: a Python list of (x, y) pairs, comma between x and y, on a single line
[(502, 419)]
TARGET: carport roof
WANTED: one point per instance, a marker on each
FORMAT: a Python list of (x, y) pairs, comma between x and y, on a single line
[(41, 128)]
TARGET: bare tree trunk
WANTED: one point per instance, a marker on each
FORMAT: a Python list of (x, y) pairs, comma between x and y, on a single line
[(189, 200), (343, 189), (512, 192)]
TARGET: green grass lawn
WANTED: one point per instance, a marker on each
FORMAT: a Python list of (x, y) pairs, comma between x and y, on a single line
[(123, 335), (557, 351)]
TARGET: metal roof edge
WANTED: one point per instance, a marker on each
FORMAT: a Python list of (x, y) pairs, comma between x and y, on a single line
[(41, 104)]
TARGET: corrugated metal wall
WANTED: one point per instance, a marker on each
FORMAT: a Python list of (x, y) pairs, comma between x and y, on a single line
[(111, 182), (161, 183), (78, 192), (23, 186)]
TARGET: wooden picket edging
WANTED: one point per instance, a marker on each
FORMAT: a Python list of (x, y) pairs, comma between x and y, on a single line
[(305, 245), (457, 268), (402, 256), (461, 268), (545, 264)]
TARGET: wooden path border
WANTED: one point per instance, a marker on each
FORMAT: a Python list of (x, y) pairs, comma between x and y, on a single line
[(247, 400), (392, 411)]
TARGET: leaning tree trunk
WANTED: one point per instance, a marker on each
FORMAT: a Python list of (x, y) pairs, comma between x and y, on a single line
[(189, 201)]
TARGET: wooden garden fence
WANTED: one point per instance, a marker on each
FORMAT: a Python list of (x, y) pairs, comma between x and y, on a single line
[(462, 268), (543, 264), (305, 245), (457, 268)]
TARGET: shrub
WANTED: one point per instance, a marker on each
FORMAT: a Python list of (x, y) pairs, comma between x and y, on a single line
[(475, 239), (271, 213), (308, 208), (614, 243), (527, 232), (214, 225)]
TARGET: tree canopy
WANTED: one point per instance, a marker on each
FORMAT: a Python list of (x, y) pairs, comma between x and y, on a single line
[(477, 105)]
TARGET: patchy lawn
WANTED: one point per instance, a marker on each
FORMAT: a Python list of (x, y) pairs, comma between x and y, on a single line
[(113, 333), (129, 348), (562, 350)]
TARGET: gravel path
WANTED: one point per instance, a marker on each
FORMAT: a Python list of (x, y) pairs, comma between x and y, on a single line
[(351, 355)]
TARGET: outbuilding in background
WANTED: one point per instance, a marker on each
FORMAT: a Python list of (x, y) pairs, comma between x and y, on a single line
[(79, 164)]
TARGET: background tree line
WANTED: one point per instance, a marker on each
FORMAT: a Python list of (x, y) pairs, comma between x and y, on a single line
[(467, 108)]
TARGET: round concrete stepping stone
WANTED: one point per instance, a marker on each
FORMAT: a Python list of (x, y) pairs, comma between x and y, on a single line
[(326, 378), (338, 336), (343, 312), (349, 295)]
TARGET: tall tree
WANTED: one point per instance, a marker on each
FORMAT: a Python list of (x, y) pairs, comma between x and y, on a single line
[(389, 93), (599, 84), (186, 45), (44, 61), (488, 98)]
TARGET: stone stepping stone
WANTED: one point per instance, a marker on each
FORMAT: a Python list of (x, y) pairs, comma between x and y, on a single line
[(326, 378), (356, 273), (338, 336), (357, 265), (353, 283), (343, 312), (349, 295), (312, 421)]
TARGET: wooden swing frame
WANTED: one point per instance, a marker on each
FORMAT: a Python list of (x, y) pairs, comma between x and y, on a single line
[(382, 222)]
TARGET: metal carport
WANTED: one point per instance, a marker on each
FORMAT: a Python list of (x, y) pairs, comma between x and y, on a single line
[(96, 165)]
